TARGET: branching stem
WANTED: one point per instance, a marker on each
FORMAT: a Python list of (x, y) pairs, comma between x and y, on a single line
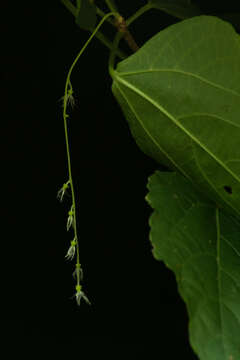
[(100, 36), (122, 28), (69, 5), (112, 6), (138, 13)]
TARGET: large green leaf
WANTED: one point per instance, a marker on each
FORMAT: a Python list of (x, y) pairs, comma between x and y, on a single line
[(202, 246), (182, 9), (181, 96)]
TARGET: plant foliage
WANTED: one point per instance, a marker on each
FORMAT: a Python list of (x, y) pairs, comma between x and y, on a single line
[(180, 93), (200, 243)]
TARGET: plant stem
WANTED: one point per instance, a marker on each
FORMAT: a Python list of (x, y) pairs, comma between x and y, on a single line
[(111, 5), (108, 44), (102, 14), (100, 36), (112, 56), (73, 10), (70, 7), (65, 116), (68, 87), (84, 47), (122, 28), (138, 13)]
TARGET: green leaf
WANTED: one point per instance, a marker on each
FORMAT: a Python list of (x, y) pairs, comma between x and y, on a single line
[(86, 15), (202, 246), (181, 96), (182, 9), (233, 18)]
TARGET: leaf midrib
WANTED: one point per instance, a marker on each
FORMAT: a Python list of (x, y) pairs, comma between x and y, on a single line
[(175, 121), (151, 137)]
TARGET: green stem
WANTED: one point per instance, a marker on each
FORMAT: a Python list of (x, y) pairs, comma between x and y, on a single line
[(70, 7), (102, 14), (84, 47), (112, 6), (68, 87), (100, 36), (65, 116), (112, 56), (138, 13), (73, 10), (121, 54)]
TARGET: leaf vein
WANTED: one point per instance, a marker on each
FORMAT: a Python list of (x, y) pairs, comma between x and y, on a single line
[(210, 183), (210, 115), (187, 73), (149, 135), (231, 277), (231, 246), (176, 122)]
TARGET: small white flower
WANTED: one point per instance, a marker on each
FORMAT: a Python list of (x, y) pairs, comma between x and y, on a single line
[(80, 294), (70, 218), (68, 98), (62, 191), (71, 251), (78, 273)]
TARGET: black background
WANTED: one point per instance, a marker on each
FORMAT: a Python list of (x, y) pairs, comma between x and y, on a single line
[(136, 308)]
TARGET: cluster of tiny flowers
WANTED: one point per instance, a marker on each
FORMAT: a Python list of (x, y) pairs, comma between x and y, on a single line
[(70, 218), (68, 98), (80, 294), (72, 249), (62, 191)]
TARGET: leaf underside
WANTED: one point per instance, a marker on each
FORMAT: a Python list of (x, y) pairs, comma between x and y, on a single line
[(201, 245), (181, 96)]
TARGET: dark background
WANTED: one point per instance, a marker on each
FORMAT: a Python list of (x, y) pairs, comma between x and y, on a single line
[(136, 308)]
